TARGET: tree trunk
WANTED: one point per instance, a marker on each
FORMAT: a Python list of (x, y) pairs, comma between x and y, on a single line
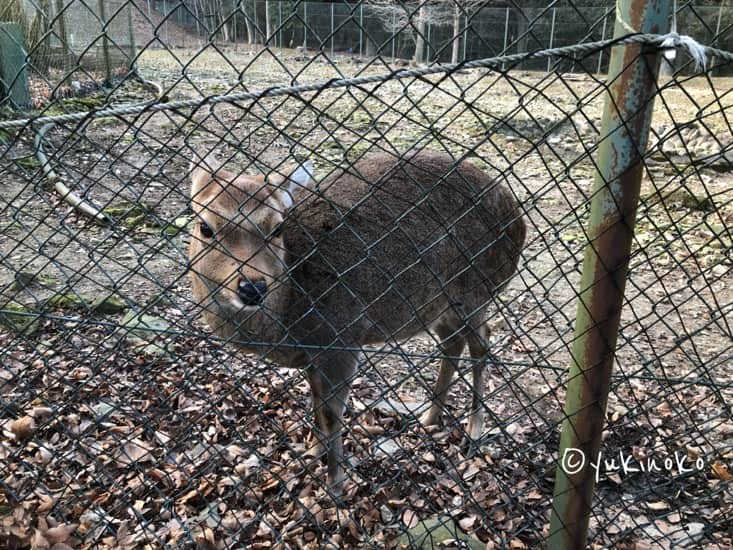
[(247, 24), (521, 39), (105, 44), (195, 16), (39, 37), (212, 20), (456, 33), (223, 21), (68, 61), (268, 23), (251, 31), (422, 18)]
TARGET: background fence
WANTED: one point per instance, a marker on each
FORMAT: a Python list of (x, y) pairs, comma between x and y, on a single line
[(72, 50), (72, 46), (367, 28), (126, 422)]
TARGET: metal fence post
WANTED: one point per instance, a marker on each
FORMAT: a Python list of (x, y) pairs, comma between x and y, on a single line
[(394, 28), (361, 30), (331, 30), (133, 46), (626, 119), (603, 37), (552, 35), (506, 36), (716, 38), (465, 37), (165, 29)]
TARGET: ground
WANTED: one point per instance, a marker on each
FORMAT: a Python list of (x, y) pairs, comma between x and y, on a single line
[(126, 423)]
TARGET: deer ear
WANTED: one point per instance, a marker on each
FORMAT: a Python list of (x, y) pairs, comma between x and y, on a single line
[(204, 170), (301, 176), (205, 162)]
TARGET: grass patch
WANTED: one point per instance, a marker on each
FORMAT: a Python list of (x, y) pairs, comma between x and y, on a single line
[(19, 318)]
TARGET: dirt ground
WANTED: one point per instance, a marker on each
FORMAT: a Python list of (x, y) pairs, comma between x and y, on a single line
[(126, 424)]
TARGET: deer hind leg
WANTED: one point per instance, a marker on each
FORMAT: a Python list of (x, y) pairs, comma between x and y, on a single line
[(478, 342), (451, 346), (330, 380)]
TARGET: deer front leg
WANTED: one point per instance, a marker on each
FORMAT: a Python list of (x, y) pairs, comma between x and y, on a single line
[(330, 380), (451, 346)]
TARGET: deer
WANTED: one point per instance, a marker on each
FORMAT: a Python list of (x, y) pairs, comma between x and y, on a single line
[(307, 274)]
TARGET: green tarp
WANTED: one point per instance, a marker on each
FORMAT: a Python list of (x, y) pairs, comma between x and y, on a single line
[(13, 72)]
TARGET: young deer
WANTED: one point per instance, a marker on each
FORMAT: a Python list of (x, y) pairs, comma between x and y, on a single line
[(385, 250)]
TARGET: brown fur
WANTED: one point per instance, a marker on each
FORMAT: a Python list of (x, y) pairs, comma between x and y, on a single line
[(381, 252)]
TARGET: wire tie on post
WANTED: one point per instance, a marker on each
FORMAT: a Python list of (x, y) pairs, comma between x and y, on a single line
[(673, 41)]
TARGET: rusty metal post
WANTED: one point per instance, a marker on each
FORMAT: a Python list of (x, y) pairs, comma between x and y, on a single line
[(625, 129)]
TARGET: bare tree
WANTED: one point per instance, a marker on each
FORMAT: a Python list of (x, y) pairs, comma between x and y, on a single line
[(222, 20), (241, 7), (422, 19), (457, 12), (408, 19), (411, 19), (462, 9), (268, 22)]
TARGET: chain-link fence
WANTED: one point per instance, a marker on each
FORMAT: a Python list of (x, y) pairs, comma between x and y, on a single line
[(237, 280), (380, 28), (76, 47), (72, 47)]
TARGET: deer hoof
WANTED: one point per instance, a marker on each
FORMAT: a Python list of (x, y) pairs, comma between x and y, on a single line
[(430, 418)]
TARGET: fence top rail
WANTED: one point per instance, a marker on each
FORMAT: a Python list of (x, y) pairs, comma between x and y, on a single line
[(666, 41)]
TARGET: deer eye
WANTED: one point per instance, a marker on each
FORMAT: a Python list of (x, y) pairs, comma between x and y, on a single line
[(206, 231), (276, 231)]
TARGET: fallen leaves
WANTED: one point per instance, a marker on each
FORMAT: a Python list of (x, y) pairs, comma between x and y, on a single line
[(59, 534), (52, 537), (469, 522), (410, 518), (720, 470), (45, 503), (214, 475), (22, 428), (134, 451), (656, 506)]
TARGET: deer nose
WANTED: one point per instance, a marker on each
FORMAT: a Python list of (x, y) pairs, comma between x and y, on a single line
[(252, 292)]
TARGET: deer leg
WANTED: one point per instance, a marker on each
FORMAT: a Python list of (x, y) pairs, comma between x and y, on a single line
[(451, 346), (478, 342), (330, 380), (318, 449)]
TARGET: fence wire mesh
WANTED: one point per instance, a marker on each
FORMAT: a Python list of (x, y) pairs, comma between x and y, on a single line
[(137, 413)]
